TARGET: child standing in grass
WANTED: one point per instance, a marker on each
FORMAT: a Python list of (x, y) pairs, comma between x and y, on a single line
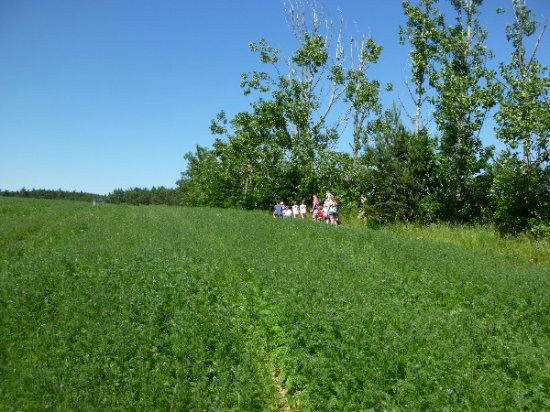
[(315, 203), (303, 209), (287, 212), (278, 209), (333, 210), (325, 213), (295, 210)]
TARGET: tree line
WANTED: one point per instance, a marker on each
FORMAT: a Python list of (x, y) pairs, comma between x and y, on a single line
[(285, 145), (144, 196), (133, 196), (51, 194)]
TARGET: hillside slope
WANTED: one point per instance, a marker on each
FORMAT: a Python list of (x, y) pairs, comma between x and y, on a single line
[(149, 308)]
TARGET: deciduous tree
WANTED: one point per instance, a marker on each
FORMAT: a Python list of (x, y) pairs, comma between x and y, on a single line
[(523, 119), (465, 91)]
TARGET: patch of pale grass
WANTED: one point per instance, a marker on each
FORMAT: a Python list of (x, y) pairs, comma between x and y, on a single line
[(484, 237)]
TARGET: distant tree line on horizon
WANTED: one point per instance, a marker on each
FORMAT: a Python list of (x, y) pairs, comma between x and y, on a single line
[(285, 145), (133, 196), (51, 194)]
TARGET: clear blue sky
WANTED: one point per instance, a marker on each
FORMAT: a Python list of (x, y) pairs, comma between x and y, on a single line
[(97, 95)]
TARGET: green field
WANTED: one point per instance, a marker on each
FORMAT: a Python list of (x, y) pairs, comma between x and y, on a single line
[(169, 308)]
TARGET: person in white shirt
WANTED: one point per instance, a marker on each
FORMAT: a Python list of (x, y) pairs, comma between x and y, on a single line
[(295, 210), (303, 210), (287, 212)]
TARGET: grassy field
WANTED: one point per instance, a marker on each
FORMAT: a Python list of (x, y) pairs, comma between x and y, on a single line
[(166, 308)]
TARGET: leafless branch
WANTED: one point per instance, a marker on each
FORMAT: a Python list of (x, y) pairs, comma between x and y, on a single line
[(537, 43), (411, 118)]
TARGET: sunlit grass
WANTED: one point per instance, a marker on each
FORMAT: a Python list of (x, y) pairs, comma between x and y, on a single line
[(523, 246), (484, 237), (168, 308)]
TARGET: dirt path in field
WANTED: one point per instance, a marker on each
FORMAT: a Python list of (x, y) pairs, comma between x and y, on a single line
[(283, 403)]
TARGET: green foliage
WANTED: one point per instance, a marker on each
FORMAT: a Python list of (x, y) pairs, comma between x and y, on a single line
[(312, 54), (451, 59), (363, 94), (423, 32), (520, 198), (398, 173), (465, 92), (540, 227), (203, 182), (522, 190), (52, 194), (523, 119), (142, 196), (161, 308)]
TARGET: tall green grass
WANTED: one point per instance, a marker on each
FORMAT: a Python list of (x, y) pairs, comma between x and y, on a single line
[(164, 308), (523, 246)]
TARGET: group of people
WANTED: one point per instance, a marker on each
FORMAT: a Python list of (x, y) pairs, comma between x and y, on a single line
[(327, 211)]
